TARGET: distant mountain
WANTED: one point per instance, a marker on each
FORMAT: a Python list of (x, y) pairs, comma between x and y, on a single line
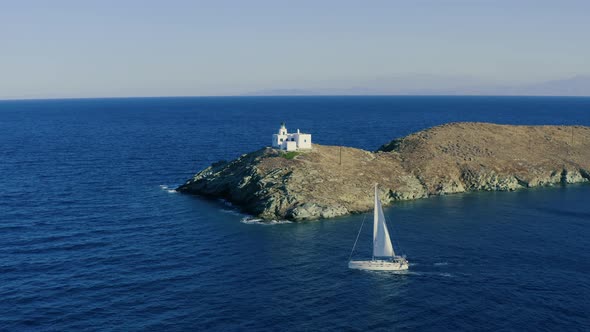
[(439, 85), (575, 86)]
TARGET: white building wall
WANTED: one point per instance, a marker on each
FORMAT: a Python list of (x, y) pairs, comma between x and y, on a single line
[(291, 142), (304, 141), (277, 140), (290, 146)]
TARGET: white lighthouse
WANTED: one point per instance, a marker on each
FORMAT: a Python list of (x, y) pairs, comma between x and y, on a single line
[(291, 141)]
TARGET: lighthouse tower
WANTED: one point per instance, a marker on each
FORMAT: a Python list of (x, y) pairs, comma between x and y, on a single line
[(283, 140), (283, 129)]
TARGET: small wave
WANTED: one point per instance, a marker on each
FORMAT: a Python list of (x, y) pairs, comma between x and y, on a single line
[(256, 221), (441, 264), (167, 189), (62, 247), (234, 212), (425, 273), (226, 202)]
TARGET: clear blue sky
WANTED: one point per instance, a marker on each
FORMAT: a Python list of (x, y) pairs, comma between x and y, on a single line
[(153, 48)]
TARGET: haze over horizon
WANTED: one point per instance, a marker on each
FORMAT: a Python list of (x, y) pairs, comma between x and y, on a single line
[(70, 49)]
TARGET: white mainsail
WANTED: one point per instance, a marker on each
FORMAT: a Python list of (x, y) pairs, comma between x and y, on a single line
[(381, 242), (384, 259)]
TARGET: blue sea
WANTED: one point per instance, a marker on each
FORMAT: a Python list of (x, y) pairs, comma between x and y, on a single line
[(94, 238)]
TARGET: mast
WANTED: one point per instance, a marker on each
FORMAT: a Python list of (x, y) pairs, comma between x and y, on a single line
[(375, 221)]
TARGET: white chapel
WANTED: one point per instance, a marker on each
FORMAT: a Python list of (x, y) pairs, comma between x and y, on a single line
[(291, 141)]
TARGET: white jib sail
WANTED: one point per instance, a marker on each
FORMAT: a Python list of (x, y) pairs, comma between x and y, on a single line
[(381, 242)]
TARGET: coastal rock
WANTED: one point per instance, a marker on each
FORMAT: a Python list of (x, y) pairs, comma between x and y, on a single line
[(308, 211), (331, 181)]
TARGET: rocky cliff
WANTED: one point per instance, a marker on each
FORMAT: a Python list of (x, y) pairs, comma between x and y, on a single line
[(331, 181)]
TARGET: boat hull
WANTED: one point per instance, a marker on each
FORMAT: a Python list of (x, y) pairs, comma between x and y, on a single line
[(380, 265)]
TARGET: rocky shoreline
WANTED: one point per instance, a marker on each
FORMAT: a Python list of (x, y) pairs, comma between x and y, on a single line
[(331, 181)]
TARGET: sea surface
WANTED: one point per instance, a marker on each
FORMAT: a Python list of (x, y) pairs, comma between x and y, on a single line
[(93, 236)]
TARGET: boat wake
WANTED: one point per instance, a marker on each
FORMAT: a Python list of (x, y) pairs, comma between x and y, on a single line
[(441, 264), (256, 221), (435, 274), (167, 189)]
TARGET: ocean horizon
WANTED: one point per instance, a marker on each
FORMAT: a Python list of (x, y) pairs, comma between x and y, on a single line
[(9, 99)]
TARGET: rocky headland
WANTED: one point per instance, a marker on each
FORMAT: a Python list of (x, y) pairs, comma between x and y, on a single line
[(331, 181)]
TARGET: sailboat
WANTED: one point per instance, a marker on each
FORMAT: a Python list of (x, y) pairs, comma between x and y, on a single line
[(384, 258)]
